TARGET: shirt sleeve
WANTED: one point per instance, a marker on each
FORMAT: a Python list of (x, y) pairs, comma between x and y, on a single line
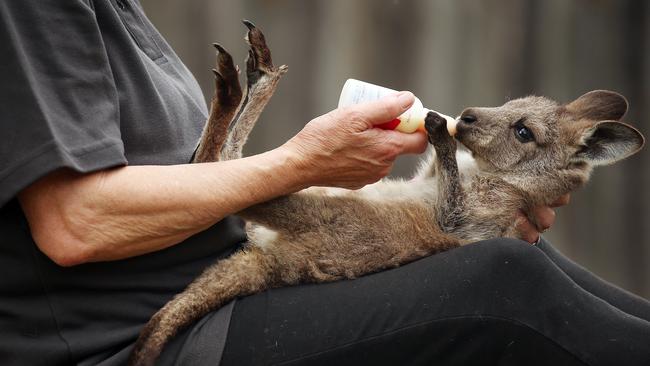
[(58, 102)]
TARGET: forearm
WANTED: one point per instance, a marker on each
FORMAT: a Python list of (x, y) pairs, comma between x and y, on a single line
[(133, 210)]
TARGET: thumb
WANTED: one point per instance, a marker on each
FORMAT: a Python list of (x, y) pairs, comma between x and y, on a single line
[(385, 109)]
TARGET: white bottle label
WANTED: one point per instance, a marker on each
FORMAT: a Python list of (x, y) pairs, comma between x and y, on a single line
[(356, 91)]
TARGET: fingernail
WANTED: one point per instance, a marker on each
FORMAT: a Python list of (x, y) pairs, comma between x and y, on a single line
[(405, 99)]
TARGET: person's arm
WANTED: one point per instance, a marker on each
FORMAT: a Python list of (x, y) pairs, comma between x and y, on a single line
[(76, 218), (122, 212)]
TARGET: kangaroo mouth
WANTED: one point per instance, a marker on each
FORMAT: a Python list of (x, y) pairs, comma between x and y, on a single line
[(460, 135), (468, 135), (462, 147), (464, 140)]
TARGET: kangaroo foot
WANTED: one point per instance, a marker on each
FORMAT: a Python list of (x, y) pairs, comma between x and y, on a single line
[(226, 79), (259, 62), (262, 79), (225, 102)]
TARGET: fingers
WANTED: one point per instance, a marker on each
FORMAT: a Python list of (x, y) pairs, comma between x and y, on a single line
[(562, 201), (385, 109), (409, 143), (414, 143), (526, 229), (545, 217)]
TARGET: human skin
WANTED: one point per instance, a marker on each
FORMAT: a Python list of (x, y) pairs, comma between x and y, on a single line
[(122, 212)]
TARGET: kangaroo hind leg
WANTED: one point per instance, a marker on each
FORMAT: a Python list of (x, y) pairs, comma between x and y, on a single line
[(262, 80), (223, 108)]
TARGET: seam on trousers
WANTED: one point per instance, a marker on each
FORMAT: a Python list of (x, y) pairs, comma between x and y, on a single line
[(46, 294), (425, 323), (207, 351)]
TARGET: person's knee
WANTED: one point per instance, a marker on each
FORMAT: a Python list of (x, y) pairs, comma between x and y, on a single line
[(515, 257), (509, 274), (499, 248)]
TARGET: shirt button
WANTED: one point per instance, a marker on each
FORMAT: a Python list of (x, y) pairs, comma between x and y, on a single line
[(122, 4)]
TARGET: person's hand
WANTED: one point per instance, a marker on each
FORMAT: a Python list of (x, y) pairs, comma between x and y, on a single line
[(343, 149), (545, 217)]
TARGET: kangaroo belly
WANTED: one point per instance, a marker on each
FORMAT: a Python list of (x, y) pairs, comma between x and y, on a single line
[(355, 240)]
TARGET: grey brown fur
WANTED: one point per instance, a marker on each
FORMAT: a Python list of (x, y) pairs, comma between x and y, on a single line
[(329, 234)]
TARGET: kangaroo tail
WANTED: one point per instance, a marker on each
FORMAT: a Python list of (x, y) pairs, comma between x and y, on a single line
[(245, 272)]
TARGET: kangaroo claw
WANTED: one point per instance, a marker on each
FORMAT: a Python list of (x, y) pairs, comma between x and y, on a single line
[(248, 23), (219, 48), (258, 61), (256, 40)]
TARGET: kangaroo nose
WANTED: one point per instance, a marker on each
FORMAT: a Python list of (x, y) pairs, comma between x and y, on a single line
[(468, 118)]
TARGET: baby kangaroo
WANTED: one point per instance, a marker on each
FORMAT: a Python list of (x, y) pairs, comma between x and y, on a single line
[(523, 154)]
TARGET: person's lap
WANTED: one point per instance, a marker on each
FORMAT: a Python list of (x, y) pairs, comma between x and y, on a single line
[(494, 302), (615, 296)]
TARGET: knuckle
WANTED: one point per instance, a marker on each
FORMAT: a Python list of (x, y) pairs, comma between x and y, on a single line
[(398, 144), (392, 152), (353, 119), (350, 113), (384, 171), (392, 146)]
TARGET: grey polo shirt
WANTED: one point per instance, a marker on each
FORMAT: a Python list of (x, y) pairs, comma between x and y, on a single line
[(88, 85)]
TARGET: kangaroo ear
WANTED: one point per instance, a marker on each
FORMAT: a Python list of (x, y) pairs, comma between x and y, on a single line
[(607, 142), (599, 105)]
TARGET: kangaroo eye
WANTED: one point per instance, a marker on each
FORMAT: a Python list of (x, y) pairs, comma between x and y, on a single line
[(522, 132)]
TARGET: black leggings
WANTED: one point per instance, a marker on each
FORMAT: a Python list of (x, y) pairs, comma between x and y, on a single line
[(497, 302)]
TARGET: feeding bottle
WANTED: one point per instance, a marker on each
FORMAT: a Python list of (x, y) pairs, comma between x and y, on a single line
[(356, 91)]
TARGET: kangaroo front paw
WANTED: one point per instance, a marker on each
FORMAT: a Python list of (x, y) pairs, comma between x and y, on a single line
[(259, 62), (436, 127)]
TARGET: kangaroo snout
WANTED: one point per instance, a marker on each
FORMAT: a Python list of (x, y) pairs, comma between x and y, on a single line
[(468, 118), (467, 121)]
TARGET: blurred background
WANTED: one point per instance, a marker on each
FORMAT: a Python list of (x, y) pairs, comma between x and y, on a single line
[(454, 54)]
